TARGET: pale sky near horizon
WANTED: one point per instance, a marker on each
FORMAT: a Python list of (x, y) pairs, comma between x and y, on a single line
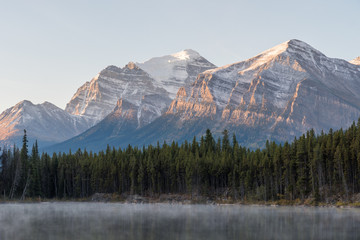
[(48, 49)]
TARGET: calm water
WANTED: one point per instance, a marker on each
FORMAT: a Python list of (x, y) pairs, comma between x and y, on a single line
[(166, 221)]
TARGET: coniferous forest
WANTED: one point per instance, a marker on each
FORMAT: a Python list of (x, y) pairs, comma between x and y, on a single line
[(312, 166)]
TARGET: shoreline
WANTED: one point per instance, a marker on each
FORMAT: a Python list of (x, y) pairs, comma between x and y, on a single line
[(186, 200)]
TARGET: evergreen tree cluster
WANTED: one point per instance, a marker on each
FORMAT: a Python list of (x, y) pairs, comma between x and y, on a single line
[(312, 166)]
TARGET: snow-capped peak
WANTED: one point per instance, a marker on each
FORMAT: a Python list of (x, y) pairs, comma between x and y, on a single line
[(186, 54), (356, 61), (172, 71), (290, 46), (293, 46)]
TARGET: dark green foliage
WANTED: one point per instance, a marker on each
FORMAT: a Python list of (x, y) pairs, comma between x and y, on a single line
[(311, 166), (35, 177)]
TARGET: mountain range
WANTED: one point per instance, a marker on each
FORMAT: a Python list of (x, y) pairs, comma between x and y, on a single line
[(277, 95), (148, 92)]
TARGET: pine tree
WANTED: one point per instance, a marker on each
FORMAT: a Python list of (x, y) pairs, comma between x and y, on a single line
[(209, 141), (225, 141), (35, 178), (301, 165)]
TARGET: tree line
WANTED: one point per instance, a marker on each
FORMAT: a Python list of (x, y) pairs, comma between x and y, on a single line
[(312, 166)]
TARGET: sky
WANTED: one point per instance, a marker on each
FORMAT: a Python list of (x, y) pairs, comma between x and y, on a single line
[(48, 49)]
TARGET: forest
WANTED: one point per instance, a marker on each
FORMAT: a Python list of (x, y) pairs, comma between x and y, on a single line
[(312, 166)]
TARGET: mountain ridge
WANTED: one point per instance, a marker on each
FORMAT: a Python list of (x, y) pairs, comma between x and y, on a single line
[(97, 98), (276, 95)]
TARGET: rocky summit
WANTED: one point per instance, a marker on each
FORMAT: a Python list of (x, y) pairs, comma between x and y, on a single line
[(98, 98)]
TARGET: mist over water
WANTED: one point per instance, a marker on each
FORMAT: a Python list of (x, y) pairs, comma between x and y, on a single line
[(166, 221)]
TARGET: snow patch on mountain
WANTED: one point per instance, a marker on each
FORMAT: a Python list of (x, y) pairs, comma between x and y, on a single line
[(176, 70)]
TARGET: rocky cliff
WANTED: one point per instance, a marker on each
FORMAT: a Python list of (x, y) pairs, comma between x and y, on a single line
[(150, 86), (281, 92)]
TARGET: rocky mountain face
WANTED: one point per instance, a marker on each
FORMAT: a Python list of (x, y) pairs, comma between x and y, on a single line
[(356, 61), (44, 122), (98, 98), (120, 123), (279, 94), (150, 86), (133, 96)]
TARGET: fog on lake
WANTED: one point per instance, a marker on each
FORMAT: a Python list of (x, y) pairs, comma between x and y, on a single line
[(173, 221)]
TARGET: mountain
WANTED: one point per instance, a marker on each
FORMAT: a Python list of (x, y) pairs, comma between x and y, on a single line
[(144, 89), (356, 61), (129, 83), (177, 70), (44, 122), (279, 94), (150, 86), (146, 94)]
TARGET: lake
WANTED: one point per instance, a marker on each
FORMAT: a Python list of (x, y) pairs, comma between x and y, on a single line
[(166, 221)]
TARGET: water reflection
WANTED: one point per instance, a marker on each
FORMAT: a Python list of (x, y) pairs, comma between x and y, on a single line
[(165, 221)]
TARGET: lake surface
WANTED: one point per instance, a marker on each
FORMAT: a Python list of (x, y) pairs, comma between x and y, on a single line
[(166, 221)]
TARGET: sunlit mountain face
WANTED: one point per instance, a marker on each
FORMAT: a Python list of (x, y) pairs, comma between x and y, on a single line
[(277, 95)]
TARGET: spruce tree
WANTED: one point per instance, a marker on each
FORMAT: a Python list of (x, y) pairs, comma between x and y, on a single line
[(35, 178)]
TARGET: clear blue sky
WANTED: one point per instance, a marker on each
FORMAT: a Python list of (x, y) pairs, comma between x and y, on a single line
[(50, 48)]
